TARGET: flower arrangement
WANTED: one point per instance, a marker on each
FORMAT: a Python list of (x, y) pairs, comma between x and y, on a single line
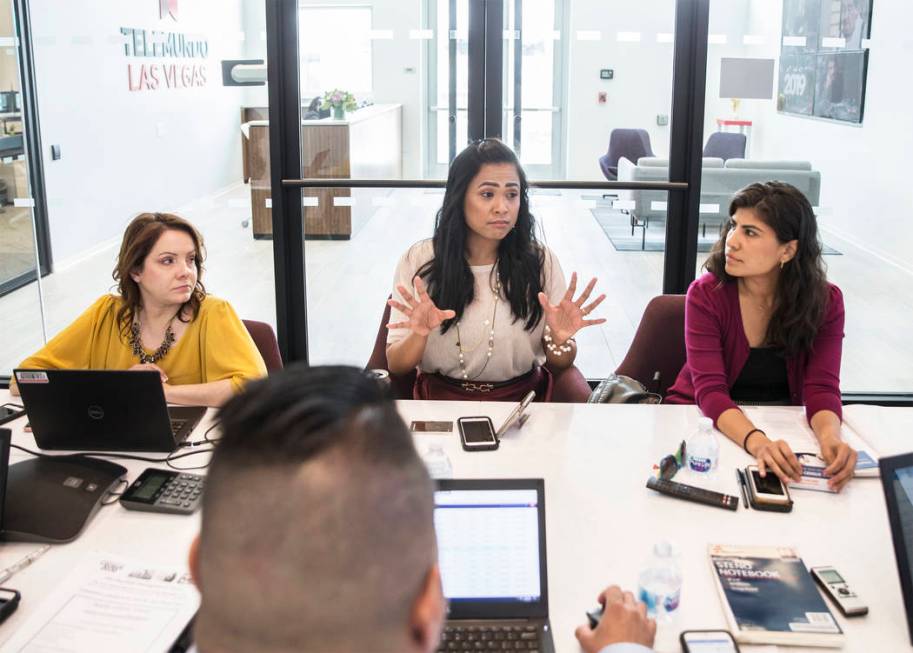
[(339, 102)]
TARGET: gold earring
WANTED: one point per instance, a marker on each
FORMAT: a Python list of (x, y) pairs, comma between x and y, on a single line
[(782, 263)]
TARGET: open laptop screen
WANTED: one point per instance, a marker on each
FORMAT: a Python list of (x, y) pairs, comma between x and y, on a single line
[(897, 479), (491, 547), (5, 441)]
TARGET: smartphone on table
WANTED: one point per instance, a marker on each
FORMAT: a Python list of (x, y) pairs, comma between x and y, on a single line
[(768, 491), (708, 641), (477, 434)]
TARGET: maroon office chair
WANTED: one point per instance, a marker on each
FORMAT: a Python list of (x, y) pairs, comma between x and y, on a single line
[(570, 386), (657, 354), (400, 384), (263, 336)]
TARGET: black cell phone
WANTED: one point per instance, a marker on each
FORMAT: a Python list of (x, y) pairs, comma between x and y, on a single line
[(708, 641), (477, 434), (9, 412), (767, 493), (9, 601)]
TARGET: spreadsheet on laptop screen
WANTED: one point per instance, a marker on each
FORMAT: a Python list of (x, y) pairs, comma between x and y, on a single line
[(488, 544)]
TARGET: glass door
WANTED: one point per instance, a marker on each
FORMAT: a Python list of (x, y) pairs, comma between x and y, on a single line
[(534, 84), (448, 83)]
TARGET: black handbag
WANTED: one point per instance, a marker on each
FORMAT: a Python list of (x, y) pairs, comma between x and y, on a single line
[(620, 389)]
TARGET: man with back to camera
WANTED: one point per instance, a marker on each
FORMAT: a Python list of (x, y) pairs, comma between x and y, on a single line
[(317, 528)]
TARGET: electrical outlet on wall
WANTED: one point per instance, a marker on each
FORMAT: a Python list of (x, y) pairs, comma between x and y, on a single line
[(662, 119)]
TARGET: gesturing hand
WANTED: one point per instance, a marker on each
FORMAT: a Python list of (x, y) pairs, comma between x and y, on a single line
[(423, 315), (567, 318)]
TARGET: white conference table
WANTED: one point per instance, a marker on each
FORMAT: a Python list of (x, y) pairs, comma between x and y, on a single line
[(601, 521)]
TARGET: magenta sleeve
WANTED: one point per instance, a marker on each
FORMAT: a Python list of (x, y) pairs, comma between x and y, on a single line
[(704, 348), (821, 389)]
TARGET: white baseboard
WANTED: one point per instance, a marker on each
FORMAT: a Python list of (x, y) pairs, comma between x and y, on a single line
[(903, 266)]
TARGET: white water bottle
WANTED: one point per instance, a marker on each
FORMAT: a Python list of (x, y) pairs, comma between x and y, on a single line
[(438, 462), (660, 582), (703, 448)]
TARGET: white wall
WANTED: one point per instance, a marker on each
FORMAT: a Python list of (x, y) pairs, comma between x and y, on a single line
[(866, 194), (390, 59), (392, 83), (642, 87), (125, 152)]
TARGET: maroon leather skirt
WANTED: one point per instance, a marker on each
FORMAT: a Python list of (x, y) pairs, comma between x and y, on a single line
[(438, 386)]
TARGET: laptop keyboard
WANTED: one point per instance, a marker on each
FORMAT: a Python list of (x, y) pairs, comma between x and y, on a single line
[(177, 425), (490, 638)]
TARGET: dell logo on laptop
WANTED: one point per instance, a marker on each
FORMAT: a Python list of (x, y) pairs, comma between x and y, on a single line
[(96, 412)]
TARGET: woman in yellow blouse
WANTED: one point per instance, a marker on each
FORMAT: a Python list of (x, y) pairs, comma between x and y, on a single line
[(162, 320)]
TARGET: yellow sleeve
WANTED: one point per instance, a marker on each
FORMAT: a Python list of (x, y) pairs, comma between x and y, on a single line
[(72, 347), (228, 352)]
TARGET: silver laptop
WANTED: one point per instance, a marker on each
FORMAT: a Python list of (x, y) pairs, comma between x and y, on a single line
[(491, 549)]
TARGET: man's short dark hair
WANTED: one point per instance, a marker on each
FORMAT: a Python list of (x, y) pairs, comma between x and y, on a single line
[(317, 527)]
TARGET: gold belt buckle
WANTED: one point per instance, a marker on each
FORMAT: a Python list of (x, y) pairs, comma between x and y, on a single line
[(478, 387)]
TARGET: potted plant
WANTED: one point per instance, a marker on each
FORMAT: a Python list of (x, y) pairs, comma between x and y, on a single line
[(339, 102)]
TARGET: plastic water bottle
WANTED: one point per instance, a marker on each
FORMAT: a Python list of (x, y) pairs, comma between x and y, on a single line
[(660, 582), (703, 448), (437, 462)]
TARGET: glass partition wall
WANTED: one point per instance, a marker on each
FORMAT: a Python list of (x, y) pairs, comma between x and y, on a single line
[(134, 116), (825, 113), (558, 110), (585, 91)]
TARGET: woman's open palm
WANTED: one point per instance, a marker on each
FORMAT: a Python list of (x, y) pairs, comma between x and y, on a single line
[(423, 315), (569, 316)]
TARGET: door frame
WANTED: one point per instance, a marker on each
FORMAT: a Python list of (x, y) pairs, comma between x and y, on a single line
[(31, 137)]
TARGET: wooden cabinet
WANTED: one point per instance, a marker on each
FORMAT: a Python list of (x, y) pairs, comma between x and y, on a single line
[(367, 144)]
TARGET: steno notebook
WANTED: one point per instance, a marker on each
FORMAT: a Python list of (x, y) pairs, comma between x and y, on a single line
[(769, 597)]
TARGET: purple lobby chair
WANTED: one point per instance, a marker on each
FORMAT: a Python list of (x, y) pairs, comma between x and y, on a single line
[(629, 143)]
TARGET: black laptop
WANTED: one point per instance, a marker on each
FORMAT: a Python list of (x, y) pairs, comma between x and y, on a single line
[(897, 479), (103, 410), (491, 550)]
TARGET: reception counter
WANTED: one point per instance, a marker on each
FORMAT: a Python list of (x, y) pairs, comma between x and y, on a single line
[(366, 144)]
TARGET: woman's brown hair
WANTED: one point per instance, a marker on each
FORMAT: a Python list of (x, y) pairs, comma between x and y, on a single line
[(141, 234), (802, 290)]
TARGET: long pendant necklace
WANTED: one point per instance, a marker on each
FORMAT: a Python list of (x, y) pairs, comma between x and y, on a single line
[(136, 342), (491, 338)]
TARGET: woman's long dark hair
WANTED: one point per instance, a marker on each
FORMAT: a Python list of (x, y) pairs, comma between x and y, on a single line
[(802, 291), (520, 256)]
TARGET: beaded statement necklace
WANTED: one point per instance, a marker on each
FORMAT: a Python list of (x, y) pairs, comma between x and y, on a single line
[(490, 324), (136, 342)]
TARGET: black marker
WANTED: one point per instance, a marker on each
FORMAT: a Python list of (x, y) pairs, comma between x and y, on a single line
[(741, 479)]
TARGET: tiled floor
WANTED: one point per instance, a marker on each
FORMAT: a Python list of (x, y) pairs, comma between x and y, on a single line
[(347, 282)]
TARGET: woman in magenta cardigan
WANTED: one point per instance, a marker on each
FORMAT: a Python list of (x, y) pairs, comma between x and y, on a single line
[(763, 326)]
